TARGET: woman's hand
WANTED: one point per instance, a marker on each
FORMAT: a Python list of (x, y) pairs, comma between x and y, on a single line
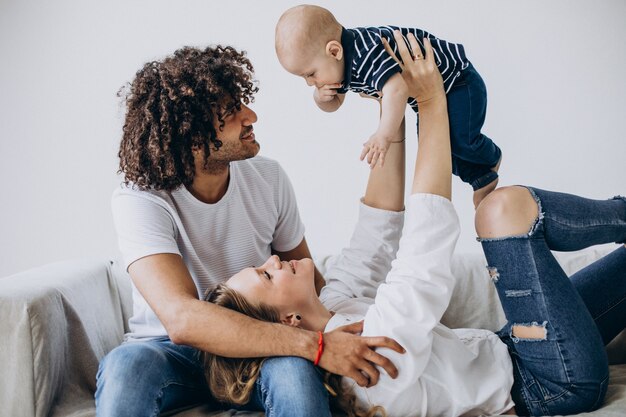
[(420, 74)]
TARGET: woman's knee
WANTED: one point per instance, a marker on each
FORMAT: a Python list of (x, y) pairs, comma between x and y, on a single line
[(507, 211)]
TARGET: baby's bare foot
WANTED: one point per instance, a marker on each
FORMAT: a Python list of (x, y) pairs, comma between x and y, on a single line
[(497, 167), (481, 193)]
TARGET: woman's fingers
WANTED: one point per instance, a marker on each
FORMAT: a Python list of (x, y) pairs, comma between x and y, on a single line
[(390, 51), (430, 55), (404, 52), (415, 46)]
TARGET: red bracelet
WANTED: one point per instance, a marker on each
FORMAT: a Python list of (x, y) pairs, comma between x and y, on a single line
[(320, 349)]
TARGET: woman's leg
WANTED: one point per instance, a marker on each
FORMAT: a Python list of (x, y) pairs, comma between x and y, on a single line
[(573, 223), (556, 348)]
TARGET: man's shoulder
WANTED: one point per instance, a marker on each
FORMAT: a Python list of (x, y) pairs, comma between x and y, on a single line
[(131, 192)]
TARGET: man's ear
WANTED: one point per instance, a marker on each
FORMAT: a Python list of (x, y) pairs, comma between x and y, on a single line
[(292, 319), (334, 49)]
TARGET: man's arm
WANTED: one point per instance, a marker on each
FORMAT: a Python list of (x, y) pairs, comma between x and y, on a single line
[(167, 286), (299, 252)]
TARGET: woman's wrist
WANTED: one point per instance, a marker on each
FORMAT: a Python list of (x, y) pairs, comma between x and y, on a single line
[(431, 97)]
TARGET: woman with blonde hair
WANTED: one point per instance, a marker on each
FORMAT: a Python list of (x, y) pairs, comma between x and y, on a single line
[(395, 276)]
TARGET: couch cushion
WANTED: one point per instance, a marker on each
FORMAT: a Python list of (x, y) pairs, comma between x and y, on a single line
[(58, 321)]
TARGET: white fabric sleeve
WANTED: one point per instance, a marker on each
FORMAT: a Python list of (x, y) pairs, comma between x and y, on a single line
[(363, 265), (289, 227), (144, 226), (417, 290)]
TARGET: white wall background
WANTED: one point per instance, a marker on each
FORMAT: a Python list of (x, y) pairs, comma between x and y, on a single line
[(554, 71)]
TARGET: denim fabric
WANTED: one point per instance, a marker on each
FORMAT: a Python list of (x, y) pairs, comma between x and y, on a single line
[(473, 154), (567, 372), (149, 378), (290, 386)]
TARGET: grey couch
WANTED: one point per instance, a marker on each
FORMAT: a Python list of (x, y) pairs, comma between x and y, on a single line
[(59, 320)]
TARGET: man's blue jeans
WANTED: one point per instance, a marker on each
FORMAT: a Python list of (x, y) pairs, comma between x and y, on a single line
[(565, 371), (149, 378)]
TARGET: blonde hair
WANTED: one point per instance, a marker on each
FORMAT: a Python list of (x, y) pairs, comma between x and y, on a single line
[(312, 26), (231, 380)]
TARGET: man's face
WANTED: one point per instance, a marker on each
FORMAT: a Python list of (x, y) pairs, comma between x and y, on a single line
[(237, 136)]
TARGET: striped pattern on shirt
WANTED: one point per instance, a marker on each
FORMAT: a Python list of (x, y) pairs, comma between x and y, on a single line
[(369, 66)]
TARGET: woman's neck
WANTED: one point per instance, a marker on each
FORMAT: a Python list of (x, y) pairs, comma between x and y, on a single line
[(316, 318)]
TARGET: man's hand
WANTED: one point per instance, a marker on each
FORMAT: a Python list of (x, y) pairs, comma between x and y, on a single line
[(353, 356)]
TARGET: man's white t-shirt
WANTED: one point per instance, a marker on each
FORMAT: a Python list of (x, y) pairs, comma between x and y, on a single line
[(257, 213)]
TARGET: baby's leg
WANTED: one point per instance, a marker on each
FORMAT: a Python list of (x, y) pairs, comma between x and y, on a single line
[(476, 158)]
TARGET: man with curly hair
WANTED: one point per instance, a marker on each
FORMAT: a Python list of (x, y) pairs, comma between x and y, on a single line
[(197, 205)]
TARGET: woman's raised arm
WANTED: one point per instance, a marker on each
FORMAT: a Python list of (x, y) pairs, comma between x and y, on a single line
[(433, 166)]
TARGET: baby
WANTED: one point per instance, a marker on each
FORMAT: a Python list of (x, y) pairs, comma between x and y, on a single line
[(311, 43)]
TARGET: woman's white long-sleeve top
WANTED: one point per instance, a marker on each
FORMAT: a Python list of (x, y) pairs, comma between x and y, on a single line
[(402, 292)]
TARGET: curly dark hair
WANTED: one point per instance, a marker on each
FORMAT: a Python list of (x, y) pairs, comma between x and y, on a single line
[(171, 106)]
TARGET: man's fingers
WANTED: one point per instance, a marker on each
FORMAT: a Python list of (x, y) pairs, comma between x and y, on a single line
[(390, 52), (354, 328), (370, 370), (359, 378), (383, 362), (385, 342), (405, 54)]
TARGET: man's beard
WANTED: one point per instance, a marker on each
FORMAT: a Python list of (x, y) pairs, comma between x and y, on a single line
[(227, 153)]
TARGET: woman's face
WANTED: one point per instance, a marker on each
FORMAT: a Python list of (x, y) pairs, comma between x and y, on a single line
[(286, 286)]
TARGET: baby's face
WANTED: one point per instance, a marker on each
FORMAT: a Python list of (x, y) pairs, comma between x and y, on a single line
[(317, 69)]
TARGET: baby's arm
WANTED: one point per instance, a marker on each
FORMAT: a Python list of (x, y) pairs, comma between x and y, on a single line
[(327, 98), (395, 95)]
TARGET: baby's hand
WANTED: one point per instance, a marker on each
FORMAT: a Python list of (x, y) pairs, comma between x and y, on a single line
[(375, 149), (326, 93)]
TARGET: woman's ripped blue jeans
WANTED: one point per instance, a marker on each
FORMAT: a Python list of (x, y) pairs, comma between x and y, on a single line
[(562, 368)]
